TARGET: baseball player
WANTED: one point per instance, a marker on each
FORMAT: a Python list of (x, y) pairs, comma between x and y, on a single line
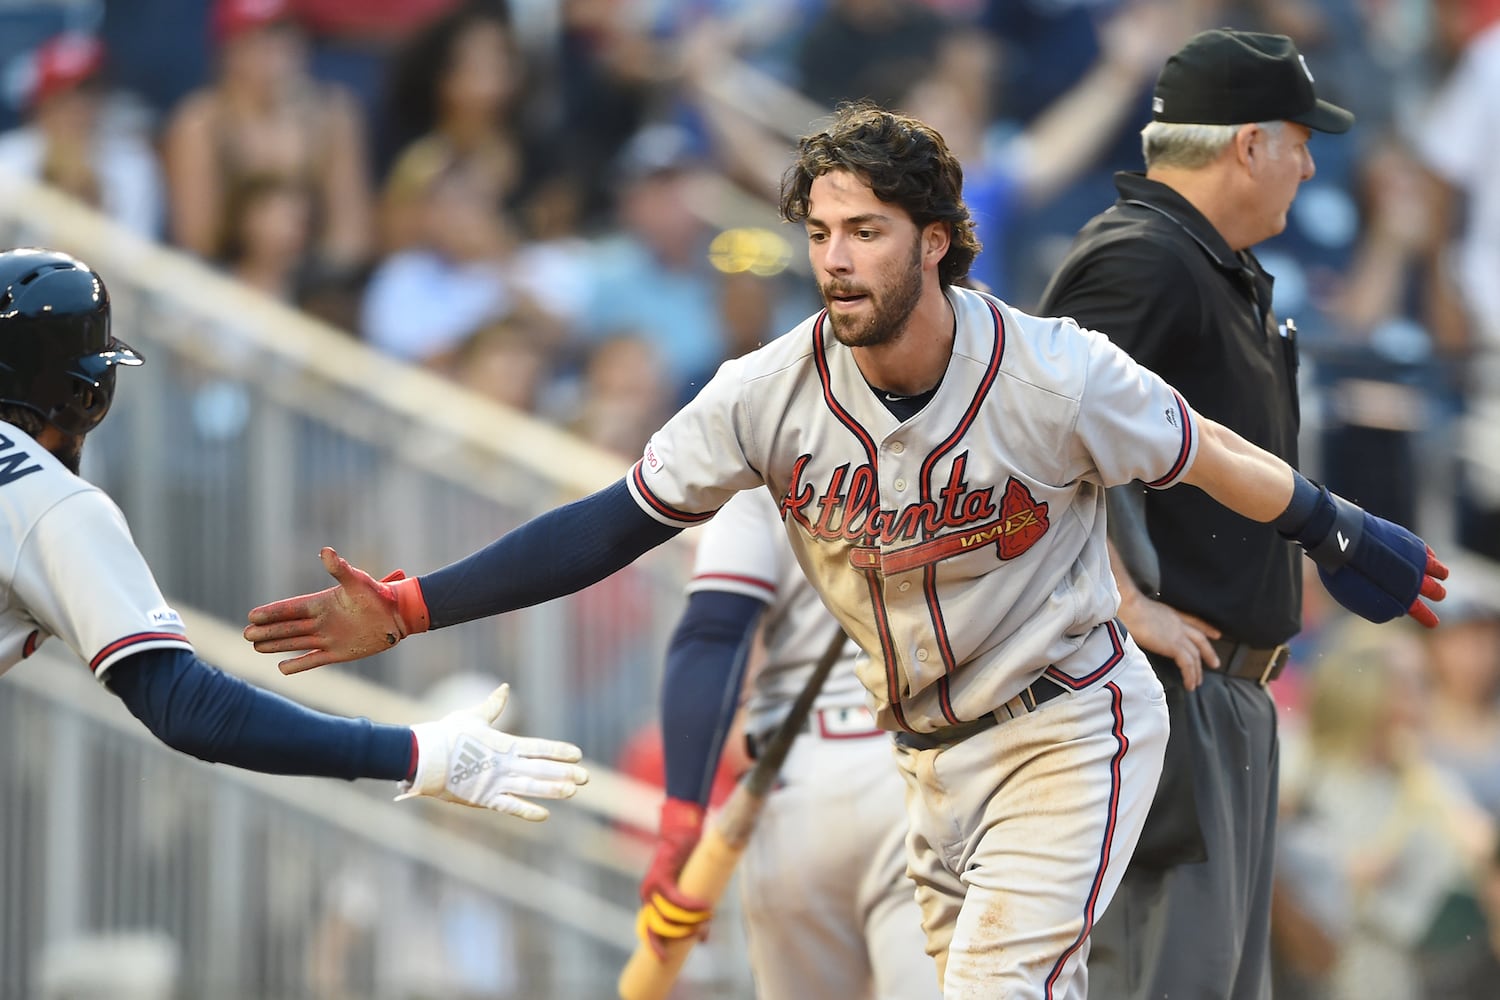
[(939, 461), (71, 570), (828, 907)]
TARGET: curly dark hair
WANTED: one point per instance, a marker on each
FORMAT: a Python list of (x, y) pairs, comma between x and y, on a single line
[(904, 161), (23, 417), (416, 70)]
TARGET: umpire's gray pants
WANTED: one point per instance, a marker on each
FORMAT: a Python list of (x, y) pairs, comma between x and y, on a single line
[(1202, 930)]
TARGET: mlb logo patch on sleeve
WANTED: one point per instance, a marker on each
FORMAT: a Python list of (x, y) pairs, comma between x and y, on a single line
[(165, 616)]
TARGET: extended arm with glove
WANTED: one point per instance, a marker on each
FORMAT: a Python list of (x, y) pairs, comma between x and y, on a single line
[(1371, 566), (552, 555)]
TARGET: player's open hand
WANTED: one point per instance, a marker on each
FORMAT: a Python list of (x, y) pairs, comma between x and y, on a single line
[(357, 617), (463, 758)]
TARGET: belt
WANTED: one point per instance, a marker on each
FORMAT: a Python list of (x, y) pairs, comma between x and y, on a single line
[(1238, 659), (1041, 691), (848, 723)]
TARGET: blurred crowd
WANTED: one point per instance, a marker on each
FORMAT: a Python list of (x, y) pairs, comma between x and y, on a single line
[(568, 206)]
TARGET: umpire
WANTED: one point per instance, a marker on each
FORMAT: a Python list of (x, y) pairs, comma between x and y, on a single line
[(1168, 275)]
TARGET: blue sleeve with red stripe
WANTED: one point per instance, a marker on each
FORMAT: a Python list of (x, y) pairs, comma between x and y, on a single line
[(701, 687), (552, 555), (202, 711)]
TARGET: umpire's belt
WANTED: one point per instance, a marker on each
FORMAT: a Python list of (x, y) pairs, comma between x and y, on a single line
[(1041, 691), (1238, 659)]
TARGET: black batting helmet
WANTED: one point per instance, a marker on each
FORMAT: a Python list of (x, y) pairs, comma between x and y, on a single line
[(57, 357)]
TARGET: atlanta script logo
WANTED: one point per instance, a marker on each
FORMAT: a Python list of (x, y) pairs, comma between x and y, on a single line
[(957, 520)]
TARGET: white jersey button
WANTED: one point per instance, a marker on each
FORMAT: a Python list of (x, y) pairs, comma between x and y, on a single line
[(900, 485), (905, 586), (897, 448), (922, 655)]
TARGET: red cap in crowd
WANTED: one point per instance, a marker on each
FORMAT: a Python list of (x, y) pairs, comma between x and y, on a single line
[(235, 17), (62, 63)]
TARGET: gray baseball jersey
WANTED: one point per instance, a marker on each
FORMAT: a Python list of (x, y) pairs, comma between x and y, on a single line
[(743, 551), (962, 548), (70, 567), (828, 907)]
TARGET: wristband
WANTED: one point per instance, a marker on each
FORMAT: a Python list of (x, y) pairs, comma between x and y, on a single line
[(411, 606), (1300, 508)]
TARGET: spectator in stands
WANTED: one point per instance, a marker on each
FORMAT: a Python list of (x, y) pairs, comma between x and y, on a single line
[(1007, 170), (1458, 138), (265, 114), (71, 142), (1375, 840), (1463, 726), (606, 74), (267, 235), (868, 49), (623, 396), (652, 276), (453, 93), (425, 301), (506, 362)]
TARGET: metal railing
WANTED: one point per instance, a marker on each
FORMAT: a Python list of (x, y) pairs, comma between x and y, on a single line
[(252, 436), (127, 870)]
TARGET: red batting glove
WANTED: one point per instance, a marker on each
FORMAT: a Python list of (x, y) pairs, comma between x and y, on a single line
[(668, 914), (358, 617)]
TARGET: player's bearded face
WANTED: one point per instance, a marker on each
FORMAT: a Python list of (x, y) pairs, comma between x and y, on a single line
[(891, 296)]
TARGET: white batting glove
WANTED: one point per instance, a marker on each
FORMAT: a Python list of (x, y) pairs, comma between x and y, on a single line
[(462, 758)]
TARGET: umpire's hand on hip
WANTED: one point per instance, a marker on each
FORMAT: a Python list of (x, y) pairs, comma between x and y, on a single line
[(462, 758), (358, 617)]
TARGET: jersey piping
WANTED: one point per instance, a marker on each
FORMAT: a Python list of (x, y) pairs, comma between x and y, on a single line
[(929, 572), (871, 574), (1187, 445), (660, 506), (115, 650), (1122, 745)]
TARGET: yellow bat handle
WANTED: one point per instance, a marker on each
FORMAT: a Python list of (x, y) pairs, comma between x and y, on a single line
[(705, 876)]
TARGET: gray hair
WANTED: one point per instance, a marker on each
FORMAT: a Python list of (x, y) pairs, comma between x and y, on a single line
[(1192, 147)]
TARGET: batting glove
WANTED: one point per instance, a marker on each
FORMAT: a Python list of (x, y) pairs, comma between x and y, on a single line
[(668, 914), (1372, 566), (358, 617), (462, 758)]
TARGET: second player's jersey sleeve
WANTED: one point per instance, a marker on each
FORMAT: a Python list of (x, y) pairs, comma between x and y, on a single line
[(702, 456), (1131, 424), (80, 575), (743, 549)]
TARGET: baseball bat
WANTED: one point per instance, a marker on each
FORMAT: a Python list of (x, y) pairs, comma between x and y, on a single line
[(707, 871)]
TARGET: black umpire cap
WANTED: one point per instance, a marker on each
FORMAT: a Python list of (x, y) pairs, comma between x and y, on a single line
[(1228, 77)]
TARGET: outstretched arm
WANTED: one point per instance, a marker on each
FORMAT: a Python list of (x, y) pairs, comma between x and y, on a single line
[(557, 553), (199, 710), (1373, 567)]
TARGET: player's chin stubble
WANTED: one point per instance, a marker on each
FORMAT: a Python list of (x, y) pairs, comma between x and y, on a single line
[(890, 307)]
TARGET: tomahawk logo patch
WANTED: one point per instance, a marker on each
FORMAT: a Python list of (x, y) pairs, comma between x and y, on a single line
[(1025, 520)]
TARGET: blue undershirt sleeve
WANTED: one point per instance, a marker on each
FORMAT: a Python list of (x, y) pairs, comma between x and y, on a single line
[(200, 710), (701, 686), (552, 555)]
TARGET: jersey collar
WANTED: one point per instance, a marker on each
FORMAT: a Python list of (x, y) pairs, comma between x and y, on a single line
[(1137, 189)]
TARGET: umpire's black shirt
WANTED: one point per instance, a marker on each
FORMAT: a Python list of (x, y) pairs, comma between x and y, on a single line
[(1154, 276)]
